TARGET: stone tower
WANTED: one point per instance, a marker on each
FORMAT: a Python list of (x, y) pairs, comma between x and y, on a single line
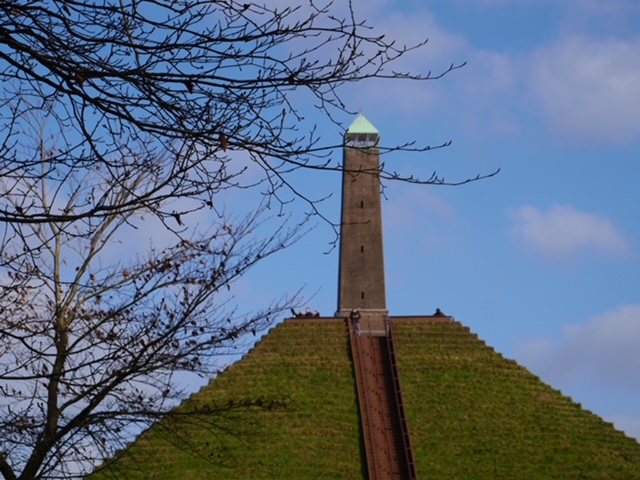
[(361, 276)]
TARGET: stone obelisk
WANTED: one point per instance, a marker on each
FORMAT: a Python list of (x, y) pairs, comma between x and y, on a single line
[(361, 279)]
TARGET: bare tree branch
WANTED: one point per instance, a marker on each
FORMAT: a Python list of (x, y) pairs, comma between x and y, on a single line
[(117, 113), (182, 84)]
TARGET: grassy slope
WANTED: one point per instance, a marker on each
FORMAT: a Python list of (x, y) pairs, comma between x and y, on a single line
[(475, 415), (317, 434), (472, 414)]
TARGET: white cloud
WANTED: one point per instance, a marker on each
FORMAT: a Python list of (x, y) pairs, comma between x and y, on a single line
[(585, 83), (407, 210), (418, 220), (603, 351), (606, 346), (487, 93), (600, 356), (493, 74), (572, 10), (589, 89), (564, 232), (441, 51)]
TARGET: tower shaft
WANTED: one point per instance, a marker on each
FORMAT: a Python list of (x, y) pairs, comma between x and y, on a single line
[(361, 278)]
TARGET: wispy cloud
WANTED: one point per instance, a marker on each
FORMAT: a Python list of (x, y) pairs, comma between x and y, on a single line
[(409, 29), (563, 232), (603, 350), (589, 89), (416, 221), (584, 82)]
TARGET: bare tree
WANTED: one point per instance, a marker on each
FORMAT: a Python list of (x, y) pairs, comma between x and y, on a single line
[(116, 113), (91, 339), (188, 81)]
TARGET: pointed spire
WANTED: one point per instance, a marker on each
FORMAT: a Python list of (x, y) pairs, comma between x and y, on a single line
[(362, 125)]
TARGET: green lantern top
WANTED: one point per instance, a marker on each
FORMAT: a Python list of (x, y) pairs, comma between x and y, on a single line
[(362, 133)]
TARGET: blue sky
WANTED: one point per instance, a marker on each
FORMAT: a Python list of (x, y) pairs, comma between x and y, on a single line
[(541, 261)]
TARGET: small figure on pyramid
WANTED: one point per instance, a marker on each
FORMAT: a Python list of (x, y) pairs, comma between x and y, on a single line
[(355, 317)]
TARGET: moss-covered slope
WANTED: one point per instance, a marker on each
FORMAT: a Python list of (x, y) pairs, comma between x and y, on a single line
[(472, 415)]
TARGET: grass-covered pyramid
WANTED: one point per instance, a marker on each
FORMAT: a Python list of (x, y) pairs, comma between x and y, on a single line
[(291, 413)]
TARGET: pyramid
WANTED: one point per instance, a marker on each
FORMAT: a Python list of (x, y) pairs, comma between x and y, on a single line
[(472, 414), (302, 404)]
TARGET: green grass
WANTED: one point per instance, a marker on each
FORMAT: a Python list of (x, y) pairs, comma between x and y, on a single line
[(472, 414), (312, 431)]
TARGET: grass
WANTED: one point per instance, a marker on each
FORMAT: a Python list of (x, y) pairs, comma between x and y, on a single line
[(472, 414), (311, 432)]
